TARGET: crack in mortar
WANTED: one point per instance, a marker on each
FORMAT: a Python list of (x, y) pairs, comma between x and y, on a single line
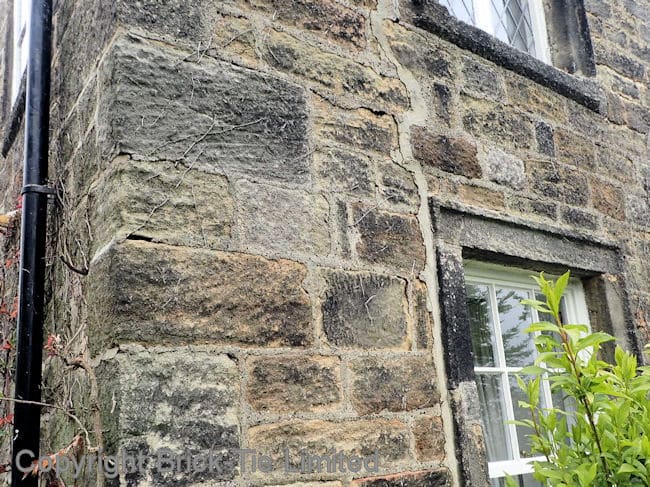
[(417, 115)]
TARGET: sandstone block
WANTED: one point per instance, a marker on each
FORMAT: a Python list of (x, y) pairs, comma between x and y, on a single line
[(390, 239), (363, 310), (144, 292), (481, 197), (574, 149), (163, 201), (498, 123), (360, 129), (579, 218), (503, 168), (449, 154), (361, 84), (482, 79), (323, 17), (344, 171), (397, 384), (182, 400), (607, 198), (294, 384), (426, 478), (388, 438), (429, 438), (213, 115), (281, 219)]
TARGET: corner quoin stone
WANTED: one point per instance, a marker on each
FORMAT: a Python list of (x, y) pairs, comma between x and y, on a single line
[(185, 294), (214, 115), (363, 310)]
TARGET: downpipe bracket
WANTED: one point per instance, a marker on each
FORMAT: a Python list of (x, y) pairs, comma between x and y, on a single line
[(39, 188)]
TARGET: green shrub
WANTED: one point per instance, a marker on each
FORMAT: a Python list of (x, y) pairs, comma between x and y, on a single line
[(604, 439)]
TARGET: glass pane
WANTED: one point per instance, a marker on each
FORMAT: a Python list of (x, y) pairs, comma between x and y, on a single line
[(521, 480), (518, 345), (461, 9), (490, 393), (512, 23), (522, 414), (480, 317)]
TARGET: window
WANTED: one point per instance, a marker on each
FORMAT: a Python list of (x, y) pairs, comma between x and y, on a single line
[(519, 23), (501, 348), (22, 9)]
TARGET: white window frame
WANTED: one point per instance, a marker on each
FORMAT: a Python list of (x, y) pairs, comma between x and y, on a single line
[(20, 45), (575, 309), (483, 18)]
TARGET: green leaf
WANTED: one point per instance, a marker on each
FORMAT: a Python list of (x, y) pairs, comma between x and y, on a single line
[(542, 326), (593, 340)]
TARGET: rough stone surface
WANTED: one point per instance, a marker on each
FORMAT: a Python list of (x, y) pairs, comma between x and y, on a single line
[(429, 438), (482, 197), (215, 116), (454, 155), (389, 438), (503, 168), (280, 219), (345, 171), (426, 478), (294, 384), (399, 384), (501, 126), (196, 409), (324, 17), (336, 74), (165, 202), (185, 294), (363, 310), (389, 239)]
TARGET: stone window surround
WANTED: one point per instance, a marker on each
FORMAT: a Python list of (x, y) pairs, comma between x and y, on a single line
[(465, 234), (434, 18), (11, 113)]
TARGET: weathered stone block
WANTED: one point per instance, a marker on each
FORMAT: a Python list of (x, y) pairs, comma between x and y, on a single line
[(503, 168), (521, 204), (162, 201), (637, 210), (388, 238), (449, 154), (359, 128), (429, 438), (324, 17), (481, 197), (363, 310), (180, 399), (362, 438), (557, 181), (213, 115), (545, 142), (344, 171), (360, 84), (499, 124), (397, 187), (282, 220), (416, 54), (424, 322), (579, 218), (186, 295), (396, 384), (425, 478), (533, 98), (482, 79), (607, 198), (294, 384), (574, 149)]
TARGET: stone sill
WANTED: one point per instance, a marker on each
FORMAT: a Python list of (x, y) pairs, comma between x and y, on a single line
[(435, 19)]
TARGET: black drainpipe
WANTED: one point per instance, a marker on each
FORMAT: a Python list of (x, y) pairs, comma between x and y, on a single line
[(29, 345)]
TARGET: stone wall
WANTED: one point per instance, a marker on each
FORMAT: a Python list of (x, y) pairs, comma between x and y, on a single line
[(245, 219)]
